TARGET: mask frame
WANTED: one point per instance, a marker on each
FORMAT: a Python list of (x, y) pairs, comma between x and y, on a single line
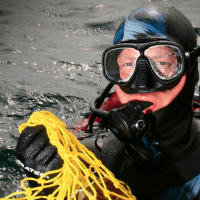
[(154, 82)]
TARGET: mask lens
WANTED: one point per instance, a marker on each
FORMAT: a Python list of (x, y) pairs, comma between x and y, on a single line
[(119, 64), (166, 61)]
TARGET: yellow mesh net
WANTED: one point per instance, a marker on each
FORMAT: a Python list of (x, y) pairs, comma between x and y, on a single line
[(82, 176)]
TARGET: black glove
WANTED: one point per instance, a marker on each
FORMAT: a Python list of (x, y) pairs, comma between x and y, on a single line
[(35, 153)]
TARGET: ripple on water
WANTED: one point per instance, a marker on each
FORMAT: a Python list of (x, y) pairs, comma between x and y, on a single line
[(6, 13)]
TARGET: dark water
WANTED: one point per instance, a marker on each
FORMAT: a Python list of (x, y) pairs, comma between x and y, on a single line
[(50, 59)]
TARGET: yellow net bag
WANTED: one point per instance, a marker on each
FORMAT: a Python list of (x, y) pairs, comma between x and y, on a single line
[(82, 177)]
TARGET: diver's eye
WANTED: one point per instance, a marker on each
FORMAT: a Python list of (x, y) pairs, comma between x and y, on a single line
[(128, 64), (162, 63)]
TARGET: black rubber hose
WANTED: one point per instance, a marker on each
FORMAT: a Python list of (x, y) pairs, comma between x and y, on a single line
[(96, 111), (97, 102)]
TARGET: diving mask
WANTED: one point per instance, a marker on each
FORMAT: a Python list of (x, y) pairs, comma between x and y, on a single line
[(144, 67)]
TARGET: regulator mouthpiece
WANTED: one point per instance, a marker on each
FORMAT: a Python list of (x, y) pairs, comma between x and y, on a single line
[(129, 123)]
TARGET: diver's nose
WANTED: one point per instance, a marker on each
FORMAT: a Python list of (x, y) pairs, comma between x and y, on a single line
[(144, 75)]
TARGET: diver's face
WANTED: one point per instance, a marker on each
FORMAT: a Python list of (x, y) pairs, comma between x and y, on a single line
[(166, 62)]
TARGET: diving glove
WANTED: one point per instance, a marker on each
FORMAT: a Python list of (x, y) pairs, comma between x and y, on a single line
[(35, 153)]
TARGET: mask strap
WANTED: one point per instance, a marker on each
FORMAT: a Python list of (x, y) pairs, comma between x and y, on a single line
[(194, 55)]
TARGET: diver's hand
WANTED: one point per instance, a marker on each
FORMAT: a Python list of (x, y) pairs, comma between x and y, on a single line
[(129, 123), (35, 153)]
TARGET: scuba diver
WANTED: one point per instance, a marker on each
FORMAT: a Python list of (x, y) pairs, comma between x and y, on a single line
[(153, 139)]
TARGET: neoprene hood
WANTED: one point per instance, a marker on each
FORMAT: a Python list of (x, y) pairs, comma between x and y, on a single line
[(157, 22)]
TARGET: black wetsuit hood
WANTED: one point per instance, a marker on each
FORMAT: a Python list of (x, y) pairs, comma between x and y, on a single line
[(156, 22)]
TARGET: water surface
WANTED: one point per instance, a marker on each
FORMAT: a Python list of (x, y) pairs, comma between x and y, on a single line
[(51, 60)]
